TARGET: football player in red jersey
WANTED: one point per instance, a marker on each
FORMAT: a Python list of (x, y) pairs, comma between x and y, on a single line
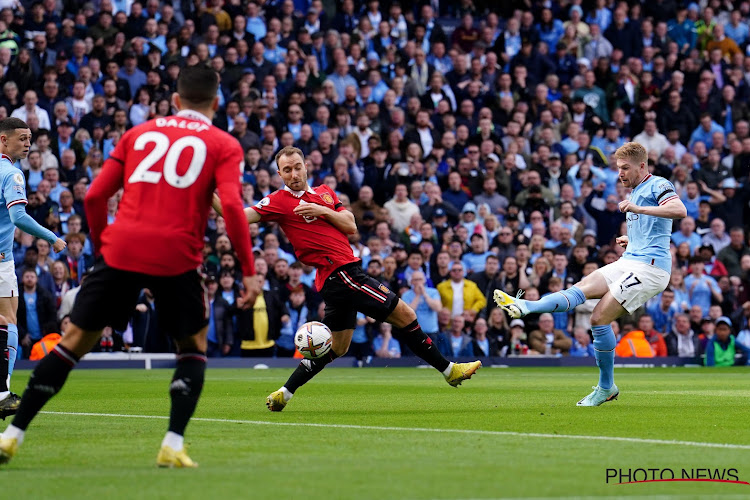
[(167, 167), (316, 223)]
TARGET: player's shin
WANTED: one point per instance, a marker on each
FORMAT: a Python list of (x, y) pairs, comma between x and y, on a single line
[(604, 349), (421, 345), (563, 301), (46, 381), (4, 361), (306, 370), (185, 390), (12, 349)]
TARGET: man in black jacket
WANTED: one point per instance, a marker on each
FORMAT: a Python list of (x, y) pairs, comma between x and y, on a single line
[(677, 116), (422, 134), (487, 281), (682, 341)]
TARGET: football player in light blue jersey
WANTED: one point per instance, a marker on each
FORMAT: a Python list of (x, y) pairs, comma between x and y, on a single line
[(623, 286), (15, 141)]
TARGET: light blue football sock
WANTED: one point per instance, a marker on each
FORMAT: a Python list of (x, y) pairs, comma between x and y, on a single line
[(604, 349), (557, 302), (13, 347)]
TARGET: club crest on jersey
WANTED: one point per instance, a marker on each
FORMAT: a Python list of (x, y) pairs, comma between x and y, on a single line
[(327, 198), (384, 289), (18, 179)]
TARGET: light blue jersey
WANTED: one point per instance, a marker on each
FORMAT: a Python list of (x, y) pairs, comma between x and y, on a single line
[(12, 193), (649, 236)]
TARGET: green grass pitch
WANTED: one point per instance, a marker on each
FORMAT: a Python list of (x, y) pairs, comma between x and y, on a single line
[(498, 436)]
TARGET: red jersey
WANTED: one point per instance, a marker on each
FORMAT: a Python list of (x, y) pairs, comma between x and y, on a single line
[(169, 168), (316, 241)]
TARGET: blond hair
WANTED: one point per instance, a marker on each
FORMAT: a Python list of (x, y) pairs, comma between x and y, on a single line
[(632, 152)]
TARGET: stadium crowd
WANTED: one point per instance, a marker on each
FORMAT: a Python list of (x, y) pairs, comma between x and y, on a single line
[(472, 140)]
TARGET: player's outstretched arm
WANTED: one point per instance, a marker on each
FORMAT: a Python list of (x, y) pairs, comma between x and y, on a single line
[(250, 214), (673, 209), (27, 224)]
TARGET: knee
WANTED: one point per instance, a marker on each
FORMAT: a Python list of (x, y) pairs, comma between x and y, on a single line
[(597, 319), (410, 316), (340, 345), (340, 351), (406, 317)]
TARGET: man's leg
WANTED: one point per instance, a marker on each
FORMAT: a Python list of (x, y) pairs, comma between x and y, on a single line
[(108, 296), (308, 368), (592, 286), (12, 350), (405, 320), (47, 379), (4, 359), (8, 311), (184, 391), (409, 332), (606, 311)]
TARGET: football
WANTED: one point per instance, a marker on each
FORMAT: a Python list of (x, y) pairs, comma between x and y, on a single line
[(313, 340)]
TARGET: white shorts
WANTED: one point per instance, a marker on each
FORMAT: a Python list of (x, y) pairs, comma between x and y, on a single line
[(8, 279), (632, 282)]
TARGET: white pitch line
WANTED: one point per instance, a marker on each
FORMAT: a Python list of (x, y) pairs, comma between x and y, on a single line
[(422, 429)]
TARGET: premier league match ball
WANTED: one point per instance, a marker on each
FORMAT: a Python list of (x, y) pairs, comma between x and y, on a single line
[(313, 340)]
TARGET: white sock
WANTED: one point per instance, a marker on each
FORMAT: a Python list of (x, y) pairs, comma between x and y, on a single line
[(174, 441), (287, 395), (4, 395), (447, 371), (14, 432)]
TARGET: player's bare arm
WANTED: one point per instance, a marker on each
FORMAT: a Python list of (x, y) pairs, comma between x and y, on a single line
[(251, 215), (343, 220), (673, 209)]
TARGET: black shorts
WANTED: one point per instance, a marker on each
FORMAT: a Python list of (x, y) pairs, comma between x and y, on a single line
[(108, 297), (349, 290)]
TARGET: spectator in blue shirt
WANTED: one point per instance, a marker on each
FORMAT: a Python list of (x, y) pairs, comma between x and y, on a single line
[(701, 287), (456, 343), (425, 301), (705, 131), (341, 79), (256, 25), (131, 74), (737, 29), (601, 16), (582, 346), (384, 345), (360, 346), (687, 234), (662, 311), (474, 261), (550, 29)]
